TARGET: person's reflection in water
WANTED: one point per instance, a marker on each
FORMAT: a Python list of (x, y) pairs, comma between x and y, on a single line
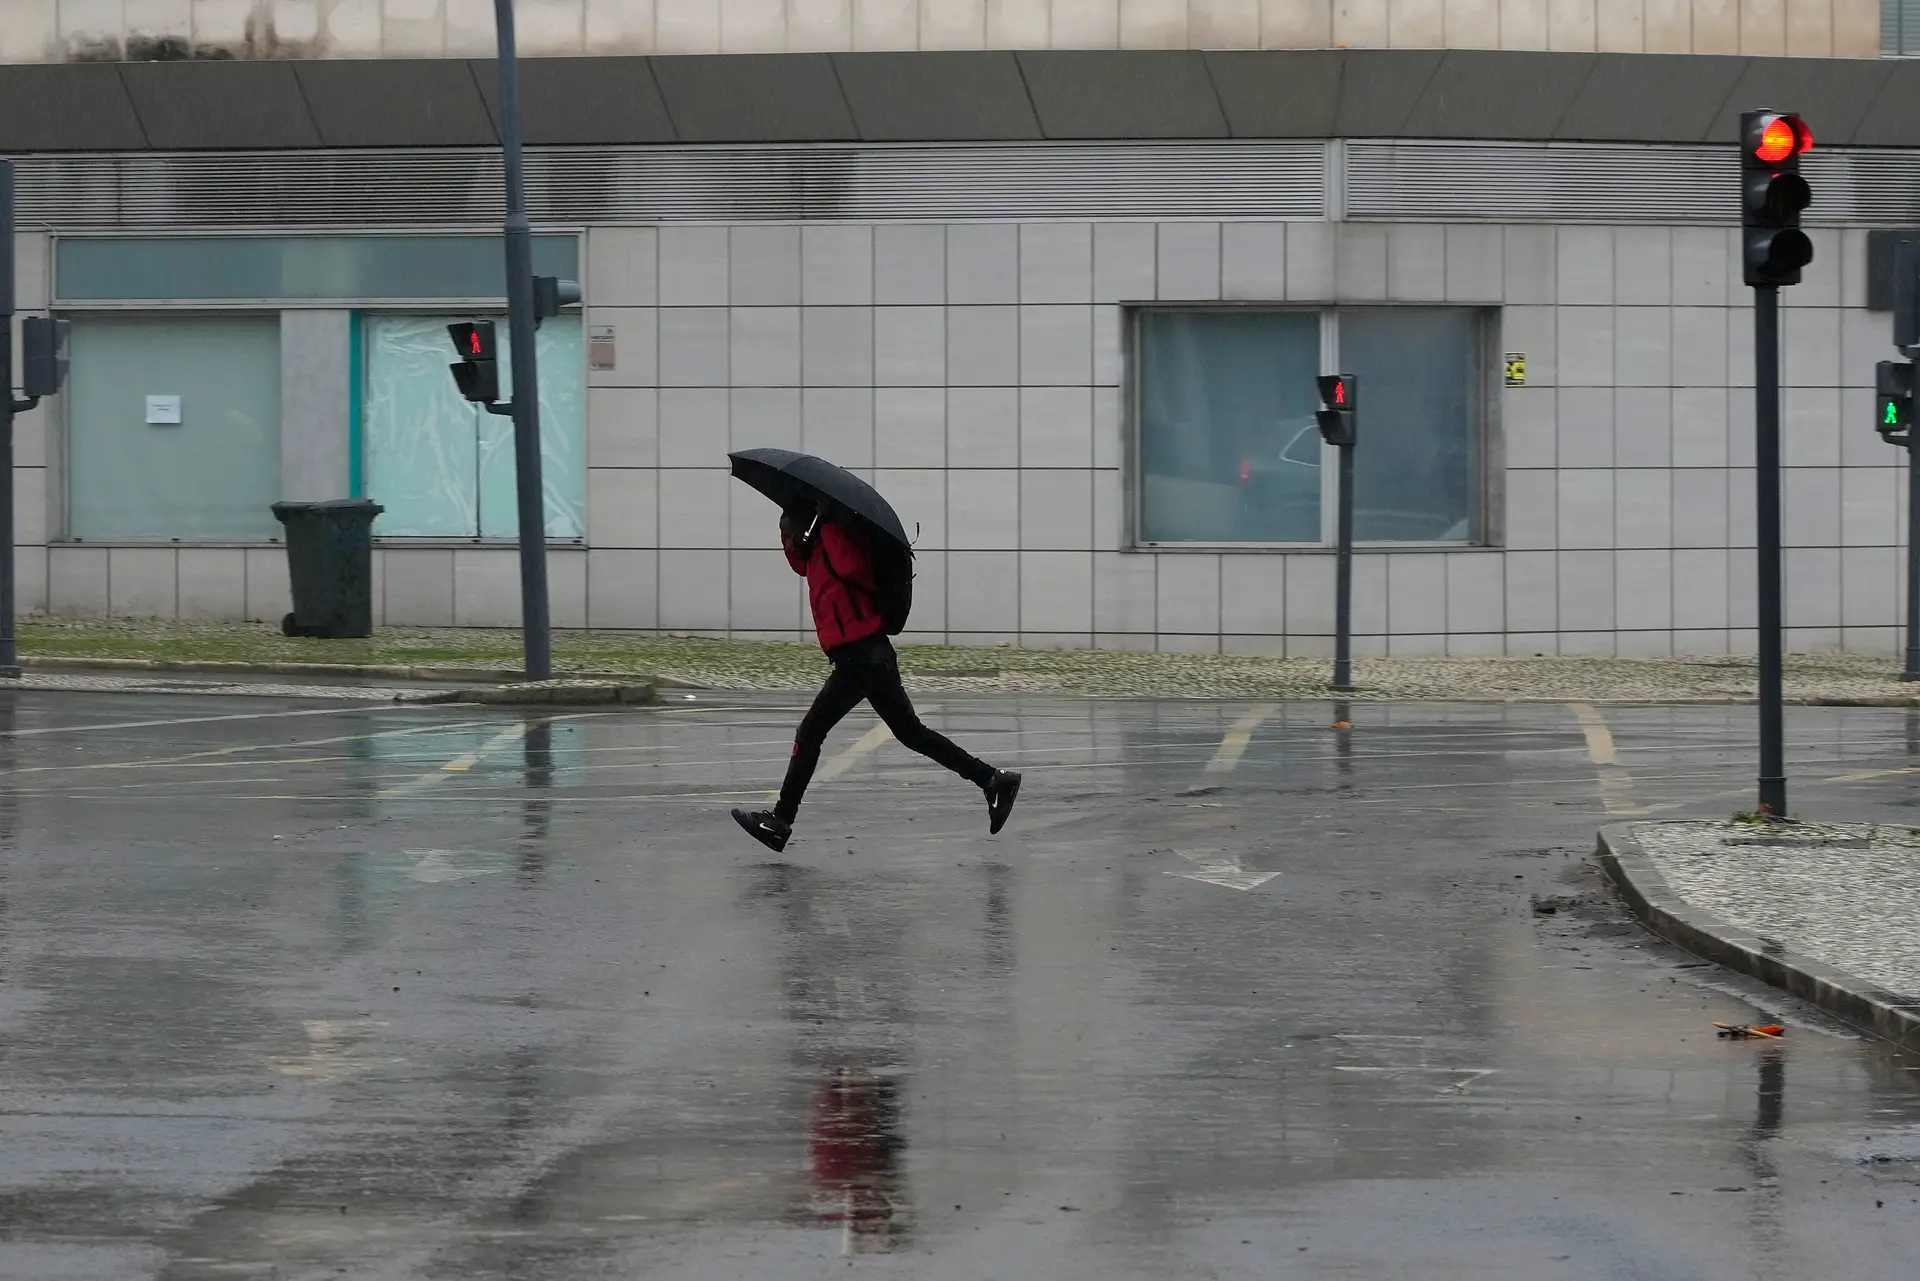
[(856, 1160), (848, 1009)]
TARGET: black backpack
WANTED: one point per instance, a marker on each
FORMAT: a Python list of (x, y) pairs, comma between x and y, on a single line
[(893, 583)]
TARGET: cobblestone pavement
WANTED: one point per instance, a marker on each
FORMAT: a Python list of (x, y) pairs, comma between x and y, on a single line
[(1844, 894), (752, 665)]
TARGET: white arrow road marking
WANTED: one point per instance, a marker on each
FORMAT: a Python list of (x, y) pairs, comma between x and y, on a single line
[(436, 866), (1468, 1076), (1216, 867)]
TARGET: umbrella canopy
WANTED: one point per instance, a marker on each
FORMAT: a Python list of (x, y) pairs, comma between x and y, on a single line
[(790, 479)]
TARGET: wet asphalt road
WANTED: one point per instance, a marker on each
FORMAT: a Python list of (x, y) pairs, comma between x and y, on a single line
[(307, 991)]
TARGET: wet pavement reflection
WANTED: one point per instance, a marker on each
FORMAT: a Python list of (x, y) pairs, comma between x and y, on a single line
[(422, 992)]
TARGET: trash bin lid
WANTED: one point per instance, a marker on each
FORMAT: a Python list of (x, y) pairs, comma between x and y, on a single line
[(347, 506)]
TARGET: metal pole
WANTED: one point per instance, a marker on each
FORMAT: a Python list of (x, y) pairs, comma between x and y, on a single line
[(1766, 450), (526, 375), (1912, 672), (1343, 579), (9, 659)]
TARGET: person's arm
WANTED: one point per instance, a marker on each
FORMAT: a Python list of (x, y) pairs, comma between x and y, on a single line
[(791, 542)]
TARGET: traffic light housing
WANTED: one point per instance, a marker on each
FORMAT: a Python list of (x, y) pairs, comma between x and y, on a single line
[(550, 294), (1893, 400), (43, 355), (477, 372), (1772, 194), (1338, 392)]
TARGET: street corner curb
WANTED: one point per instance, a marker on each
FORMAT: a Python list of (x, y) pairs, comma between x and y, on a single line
[(563, 693), (1855, 1001)]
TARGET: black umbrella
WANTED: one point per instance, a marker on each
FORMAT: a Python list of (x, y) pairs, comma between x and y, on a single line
[(792, 480)]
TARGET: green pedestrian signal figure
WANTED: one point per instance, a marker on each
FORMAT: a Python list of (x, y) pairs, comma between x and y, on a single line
[(1893, 388)]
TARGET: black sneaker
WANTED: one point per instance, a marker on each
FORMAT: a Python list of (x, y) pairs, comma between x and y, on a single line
[(1001, 793), (766, 827)]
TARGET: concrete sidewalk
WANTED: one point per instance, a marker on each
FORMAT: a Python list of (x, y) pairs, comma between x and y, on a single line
[(475, 656), (373, 687), (1829, 912)]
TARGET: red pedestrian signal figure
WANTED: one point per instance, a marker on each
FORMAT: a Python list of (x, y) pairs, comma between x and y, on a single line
[(477, 372), (1337, 394)]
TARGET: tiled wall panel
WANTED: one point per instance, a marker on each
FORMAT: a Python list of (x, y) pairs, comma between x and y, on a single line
[(56, 30)]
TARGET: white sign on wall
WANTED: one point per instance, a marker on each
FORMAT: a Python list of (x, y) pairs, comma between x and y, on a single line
[(163, 410)]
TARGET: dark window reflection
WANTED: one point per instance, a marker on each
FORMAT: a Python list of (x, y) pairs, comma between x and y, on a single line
[(1416, 469), (1229, 450)]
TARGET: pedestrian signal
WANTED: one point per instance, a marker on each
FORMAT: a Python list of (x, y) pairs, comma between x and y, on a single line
[(1338, 392), (477, 372), (1893, 399)]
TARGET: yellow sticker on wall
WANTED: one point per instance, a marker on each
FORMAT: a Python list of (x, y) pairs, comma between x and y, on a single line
[(1516, 368)]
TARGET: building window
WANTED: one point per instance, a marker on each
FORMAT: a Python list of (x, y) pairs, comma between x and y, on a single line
[(173, 427), (443, 468), (1228, 449), (284, 268), (1899, 28), (1417, 468)]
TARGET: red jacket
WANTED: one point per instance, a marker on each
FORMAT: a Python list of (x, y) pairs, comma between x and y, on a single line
[(839, 573)]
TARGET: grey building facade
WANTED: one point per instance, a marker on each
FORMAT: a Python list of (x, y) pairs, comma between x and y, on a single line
[(1063, 308)]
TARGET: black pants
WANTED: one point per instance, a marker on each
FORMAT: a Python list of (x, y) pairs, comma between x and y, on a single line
[(867, 670)]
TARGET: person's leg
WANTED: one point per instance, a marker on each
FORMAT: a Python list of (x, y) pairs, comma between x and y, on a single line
[(845, 687), (890, 702)]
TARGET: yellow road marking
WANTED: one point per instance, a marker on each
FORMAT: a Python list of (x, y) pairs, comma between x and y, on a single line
[(190, 720), (212, 753), (1869, 774), (1234, 744), (864, 746), (459, 764), (1616, 785)]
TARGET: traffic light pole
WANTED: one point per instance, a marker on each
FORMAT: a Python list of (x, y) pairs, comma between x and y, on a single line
[(1343, 579), (1766, 450), (1911, 669), (526, 377), (9, 658)]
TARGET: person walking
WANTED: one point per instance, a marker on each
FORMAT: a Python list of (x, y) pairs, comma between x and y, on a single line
[(832, 552)]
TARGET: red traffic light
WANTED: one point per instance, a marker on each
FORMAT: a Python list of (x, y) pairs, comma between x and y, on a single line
[(1782, 137), (1337, 391), (473, 340)]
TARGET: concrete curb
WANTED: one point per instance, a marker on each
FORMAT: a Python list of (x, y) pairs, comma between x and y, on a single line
[(1855, 1001), (369, 671), (366, 671), (561, 693)]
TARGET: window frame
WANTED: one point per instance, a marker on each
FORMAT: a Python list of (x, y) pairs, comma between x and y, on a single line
[(58, 425), (358, 443), (1485, 502), (58, 442)]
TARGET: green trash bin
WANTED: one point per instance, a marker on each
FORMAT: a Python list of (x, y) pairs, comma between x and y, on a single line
[(330, 565)]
